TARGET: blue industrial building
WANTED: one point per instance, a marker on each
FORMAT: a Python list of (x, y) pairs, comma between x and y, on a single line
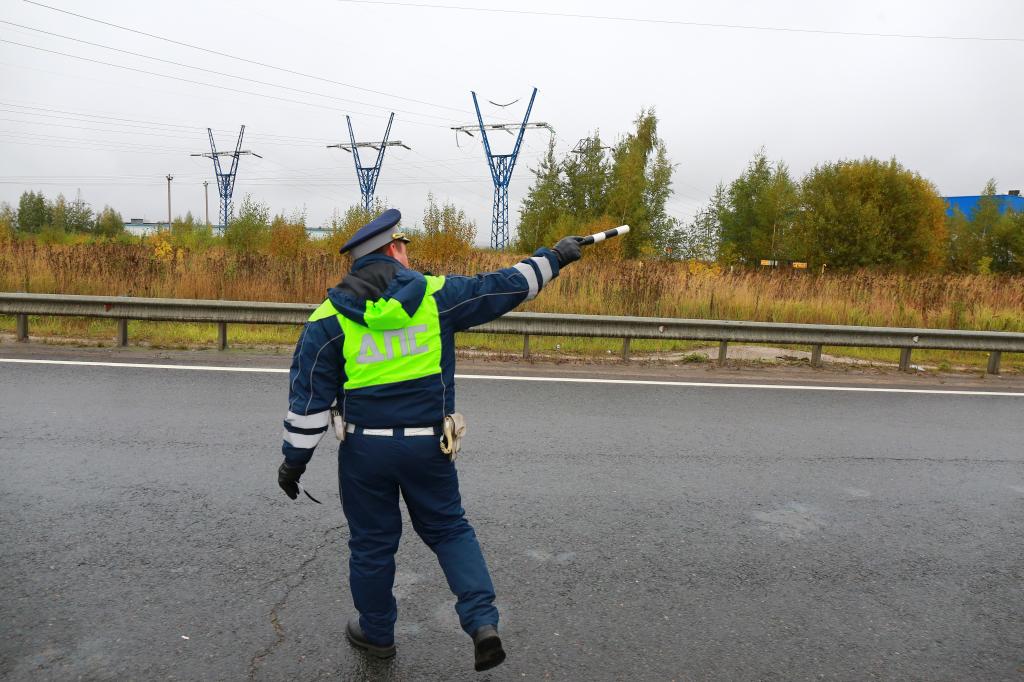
[(969, 204)]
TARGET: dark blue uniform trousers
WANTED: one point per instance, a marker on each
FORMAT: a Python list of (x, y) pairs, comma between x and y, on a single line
[(372, 471)]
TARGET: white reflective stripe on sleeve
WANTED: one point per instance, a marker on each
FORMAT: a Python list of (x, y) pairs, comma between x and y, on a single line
[(378, 432), (303, 440), (424, 431), (309, 421), (545, 269), (531, 278)]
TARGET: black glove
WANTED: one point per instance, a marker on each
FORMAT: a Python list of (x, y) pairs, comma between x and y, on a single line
[(288, 478), (568, 250)]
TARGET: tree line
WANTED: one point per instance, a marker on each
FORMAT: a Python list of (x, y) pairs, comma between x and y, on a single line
[(850, 214), (844, 214), (37, 215), (444, 231)]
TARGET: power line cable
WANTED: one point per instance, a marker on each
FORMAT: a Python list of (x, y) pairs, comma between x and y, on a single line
[(112, 131), (138, 130), (681, 22), (109, 144), (91, 149), (241, 59), (209, 85), (87, 115), (162, 132), (220, 73)]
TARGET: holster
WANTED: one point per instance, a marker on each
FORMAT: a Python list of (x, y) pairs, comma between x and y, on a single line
[(451, 438), (339, 423)]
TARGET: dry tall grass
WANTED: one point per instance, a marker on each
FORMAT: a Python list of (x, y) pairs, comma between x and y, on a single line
[(597, 285)]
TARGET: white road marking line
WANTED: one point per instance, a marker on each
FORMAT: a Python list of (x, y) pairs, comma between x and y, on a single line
[(567, 380), (145, 365), (711, 384)]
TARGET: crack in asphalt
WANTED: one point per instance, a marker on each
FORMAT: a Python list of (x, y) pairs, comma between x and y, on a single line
[(279, 633)]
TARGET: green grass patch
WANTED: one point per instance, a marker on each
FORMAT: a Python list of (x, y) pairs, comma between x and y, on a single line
[(941, 359), (183, 335), (569, 345)]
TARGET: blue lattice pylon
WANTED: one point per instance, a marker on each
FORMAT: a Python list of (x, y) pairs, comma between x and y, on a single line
[(501, 166), (226, 181), (368, 175)]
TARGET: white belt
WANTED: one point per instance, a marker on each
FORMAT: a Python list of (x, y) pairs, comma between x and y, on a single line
[(399, 431)]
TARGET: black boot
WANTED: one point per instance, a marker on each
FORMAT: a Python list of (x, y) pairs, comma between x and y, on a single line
[(487, 648), (357, 639)]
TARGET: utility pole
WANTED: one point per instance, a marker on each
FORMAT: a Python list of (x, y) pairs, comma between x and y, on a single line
[(501, 166), (226, 180), (206, 196), (169, 178), (368, 175)]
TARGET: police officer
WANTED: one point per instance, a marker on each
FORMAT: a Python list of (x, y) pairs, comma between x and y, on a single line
[(381, 350)]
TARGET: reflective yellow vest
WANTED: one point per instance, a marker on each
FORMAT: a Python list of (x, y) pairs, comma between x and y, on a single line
[(393, 346)]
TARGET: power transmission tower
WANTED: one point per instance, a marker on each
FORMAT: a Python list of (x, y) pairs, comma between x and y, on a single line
[(501, 166), (587, 144), (226, 181), (368, 174)]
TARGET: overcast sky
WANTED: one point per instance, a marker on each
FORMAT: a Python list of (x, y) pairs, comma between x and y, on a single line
[(950, 109)]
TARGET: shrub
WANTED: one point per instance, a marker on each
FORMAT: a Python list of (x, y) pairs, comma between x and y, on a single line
[(342, 227), (250, 231), (188, 233), (447, 232), (7, 221), (288, 238), (109, 223)]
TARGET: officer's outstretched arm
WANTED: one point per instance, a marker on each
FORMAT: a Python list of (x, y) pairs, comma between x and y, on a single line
[(312, 387), (468, 301)]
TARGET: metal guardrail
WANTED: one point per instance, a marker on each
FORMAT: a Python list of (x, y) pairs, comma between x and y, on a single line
[(124, 308)]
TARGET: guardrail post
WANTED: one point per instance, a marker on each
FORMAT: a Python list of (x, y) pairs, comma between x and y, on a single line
[(723, 350), (526, 346), (993, 361), (122, 331), (22, 327), (625, 348), (905, 359), (816, 355), (222, 336)]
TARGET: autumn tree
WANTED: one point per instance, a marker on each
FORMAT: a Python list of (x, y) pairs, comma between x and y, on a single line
[(109, 223), (701, 239), (757, 212), (543, 204), (58, 216), (871, 212), (990, 239), (8, 219), (1006, 247), (586, 173), (34, 212), (79, 217), (628, 183), (640, 184)]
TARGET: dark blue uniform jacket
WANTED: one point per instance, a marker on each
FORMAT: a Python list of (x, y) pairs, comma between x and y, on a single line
[(317, 376)]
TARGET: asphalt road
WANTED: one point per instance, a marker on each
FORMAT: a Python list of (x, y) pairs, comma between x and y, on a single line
[(634, 533)]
